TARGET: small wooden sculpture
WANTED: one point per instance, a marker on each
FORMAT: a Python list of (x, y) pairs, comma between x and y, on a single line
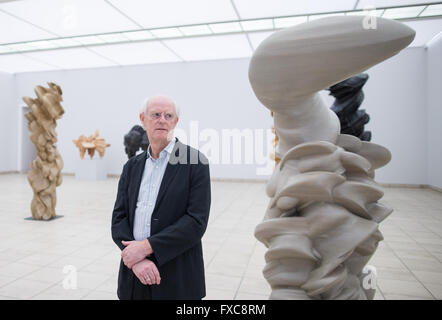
[(45, 173), (275, 141), (90, 144)]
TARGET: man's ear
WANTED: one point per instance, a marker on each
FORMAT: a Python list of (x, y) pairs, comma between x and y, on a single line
[(142, 117)]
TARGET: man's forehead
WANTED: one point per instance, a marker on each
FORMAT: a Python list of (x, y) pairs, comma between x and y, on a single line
[(161, 104)]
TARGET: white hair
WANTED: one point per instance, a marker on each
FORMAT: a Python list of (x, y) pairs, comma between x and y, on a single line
[(148, 100)]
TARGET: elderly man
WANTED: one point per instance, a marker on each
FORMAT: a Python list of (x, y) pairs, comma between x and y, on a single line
[(161, 213)]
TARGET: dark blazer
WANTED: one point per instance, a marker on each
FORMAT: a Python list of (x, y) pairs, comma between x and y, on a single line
[(179, 221)]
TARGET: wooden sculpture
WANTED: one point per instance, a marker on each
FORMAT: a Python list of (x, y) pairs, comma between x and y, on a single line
[(45, 173), (321, 225), (275, 141), (90, 144)]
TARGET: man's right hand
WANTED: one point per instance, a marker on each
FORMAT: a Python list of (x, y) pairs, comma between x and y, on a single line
[(147, 272)]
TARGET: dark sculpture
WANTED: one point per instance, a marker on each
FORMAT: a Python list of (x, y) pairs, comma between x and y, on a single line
[(349, 97), (134, 140)]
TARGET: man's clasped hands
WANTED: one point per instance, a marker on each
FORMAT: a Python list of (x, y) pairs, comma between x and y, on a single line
[(134, 257)]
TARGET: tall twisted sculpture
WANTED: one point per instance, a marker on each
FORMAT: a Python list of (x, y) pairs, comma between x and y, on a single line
[(349, 97), (45, 173), (321, 225)]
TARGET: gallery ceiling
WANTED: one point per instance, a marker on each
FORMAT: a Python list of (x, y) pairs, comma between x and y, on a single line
[(40, 35)]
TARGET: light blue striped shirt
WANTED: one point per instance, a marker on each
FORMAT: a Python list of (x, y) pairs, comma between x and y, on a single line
[(150, 185)]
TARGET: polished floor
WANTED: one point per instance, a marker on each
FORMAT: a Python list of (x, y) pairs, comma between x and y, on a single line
[(33, 254)]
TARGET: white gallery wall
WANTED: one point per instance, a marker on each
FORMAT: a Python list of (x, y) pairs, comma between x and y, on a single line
[(8, 123), (395, 99), (211, 95), (434, 94), (217, 95)]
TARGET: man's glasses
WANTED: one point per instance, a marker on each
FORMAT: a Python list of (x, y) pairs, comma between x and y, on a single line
[(158, 115)]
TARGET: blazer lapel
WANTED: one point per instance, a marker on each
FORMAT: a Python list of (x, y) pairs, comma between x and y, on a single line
[(134, 188), (170, 173)]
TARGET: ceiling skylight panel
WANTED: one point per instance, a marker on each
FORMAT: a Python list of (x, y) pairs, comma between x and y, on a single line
[(113, 37), (166, 33), (138, 35), (72, 58), (432, 10), (195, 30), (19, 47), (389, 3), (14, 30), (70, 17), (252, 25), (289, 21), (170, 13), (368, 12), (250, 9), (67, 42), (211, 48), (43, 44), (89, 40), (402, 13), (4, 49), (326, 15), (225, 27)]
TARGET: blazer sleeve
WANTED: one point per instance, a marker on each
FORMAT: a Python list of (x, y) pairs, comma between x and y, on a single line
[(120, 217), (189, 229)]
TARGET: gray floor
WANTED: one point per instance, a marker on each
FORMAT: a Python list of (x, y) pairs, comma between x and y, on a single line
[(34, 253)]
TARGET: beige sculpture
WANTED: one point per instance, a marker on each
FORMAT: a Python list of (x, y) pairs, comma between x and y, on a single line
[(45, 173), (321, 225), (275, 142), (90, 144)]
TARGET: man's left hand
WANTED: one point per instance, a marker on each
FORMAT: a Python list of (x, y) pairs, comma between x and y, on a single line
[(135, 251)]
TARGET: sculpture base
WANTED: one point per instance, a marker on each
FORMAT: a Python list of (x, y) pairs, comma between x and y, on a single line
[(56, 217), (90, 169)]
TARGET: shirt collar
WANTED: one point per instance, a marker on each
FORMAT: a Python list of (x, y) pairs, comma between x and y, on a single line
[(167, 149)]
